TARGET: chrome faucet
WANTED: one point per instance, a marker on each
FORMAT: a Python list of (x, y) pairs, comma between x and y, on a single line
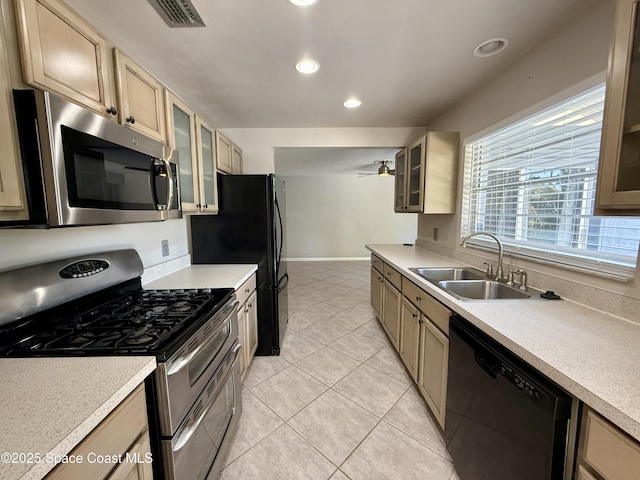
[(499, 271)]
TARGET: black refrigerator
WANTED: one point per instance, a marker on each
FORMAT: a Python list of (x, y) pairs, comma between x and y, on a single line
[(250, 228)]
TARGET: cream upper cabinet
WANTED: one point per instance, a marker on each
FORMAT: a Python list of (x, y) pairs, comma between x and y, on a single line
[(207, 179), (618, 190), (141, 103), (63, 53), (12, 195), (426, 174), (400, 181), (236, 159), (181, 129), (224, 153)]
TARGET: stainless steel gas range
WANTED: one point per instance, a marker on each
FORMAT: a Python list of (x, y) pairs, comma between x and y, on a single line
[(95, 305)]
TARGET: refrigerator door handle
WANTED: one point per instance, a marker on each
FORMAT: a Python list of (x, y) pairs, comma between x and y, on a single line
[(279, 258), (282, 284)]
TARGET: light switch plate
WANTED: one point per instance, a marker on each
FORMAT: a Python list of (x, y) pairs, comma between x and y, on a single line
[(165, 248)]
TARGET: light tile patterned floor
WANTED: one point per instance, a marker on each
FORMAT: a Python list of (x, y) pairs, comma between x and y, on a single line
[(338, 402)]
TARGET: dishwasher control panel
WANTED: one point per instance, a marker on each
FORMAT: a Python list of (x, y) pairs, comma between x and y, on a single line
[(525, 384)]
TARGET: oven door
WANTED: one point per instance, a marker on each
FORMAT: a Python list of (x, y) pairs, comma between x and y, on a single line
[(183, 376), (200, 446)]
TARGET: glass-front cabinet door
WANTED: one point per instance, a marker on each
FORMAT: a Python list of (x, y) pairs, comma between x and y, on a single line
[(415, 176), (182, 137), (401, 185), (207, 165), (619, 169)]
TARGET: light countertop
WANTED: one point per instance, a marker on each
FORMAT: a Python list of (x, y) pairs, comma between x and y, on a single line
[(591, 354), (49, 405), (205, 276)]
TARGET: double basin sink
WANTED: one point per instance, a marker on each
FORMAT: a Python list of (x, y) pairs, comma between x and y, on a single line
[(467, 283)]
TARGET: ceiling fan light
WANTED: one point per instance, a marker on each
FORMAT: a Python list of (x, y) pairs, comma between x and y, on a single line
[(352, 103), (302, 3), (490, 47)]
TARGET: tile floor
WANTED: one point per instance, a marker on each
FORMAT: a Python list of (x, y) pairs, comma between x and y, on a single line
[(338, 402)]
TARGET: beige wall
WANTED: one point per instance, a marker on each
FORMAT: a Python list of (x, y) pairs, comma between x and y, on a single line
[(335, 216), (573, 57)]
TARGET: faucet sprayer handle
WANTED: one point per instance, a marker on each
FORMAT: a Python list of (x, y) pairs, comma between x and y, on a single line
[(489, 268)]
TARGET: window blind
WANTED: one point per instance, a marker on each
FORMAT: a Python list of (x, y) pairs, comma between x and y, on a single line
[(533, 184)]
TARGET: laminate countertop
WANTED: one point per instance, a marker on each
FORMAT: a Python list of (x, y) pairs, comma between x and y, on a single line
[(48, 405), (205, 276), (591, 354)]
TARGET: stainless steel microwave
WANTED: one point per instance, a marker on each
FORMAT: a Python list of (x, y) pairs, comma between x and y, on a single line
[(84, 169)]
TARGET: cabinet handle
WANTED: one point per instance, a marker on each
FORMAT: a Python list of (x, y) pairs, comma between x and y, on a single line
[(198, 205), (414, 315), (246, 290), (206, 206), (131, 120), (112, 111), (250, 305), (418, 299)]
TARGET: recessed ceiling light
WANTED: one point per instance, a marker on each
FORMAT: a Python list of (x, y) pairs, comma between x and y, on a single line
[(307, 65), (490, 47), (352, 103), (302, 3)]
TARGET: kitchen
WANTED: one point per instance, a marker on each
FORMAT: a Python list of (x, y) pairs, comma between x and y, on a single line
[(567, 56)]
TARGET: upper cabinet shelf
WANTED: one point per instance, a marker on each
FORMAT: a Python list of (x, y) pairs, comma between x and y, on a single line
[(618, 191), (426, 174)]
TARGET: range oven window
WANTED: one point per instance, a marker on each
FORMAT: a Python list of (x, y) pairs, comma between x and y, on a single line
[(101, 174)]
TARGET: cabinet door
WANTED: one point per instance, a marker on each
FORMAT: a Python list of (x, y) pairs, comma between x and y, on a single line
[(12, 199), (236, 159), (252, 328), (223, 153), (376, 292), (619, 170), (242, 338), (432, 371), (140, 98), (410, 337), (391, 312), (62, 53), (135, 465), (401, 181), (415, 176), (583, 474), (182, 137), (208, 184)]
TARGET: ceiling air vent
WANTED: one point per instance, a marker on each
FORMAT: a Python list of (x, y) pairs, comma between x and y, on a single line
[(178, 13)]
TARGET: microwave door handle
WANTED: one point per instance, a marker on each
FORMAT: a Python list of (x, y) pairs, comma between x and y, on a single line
[(170, 192), (188, 433)]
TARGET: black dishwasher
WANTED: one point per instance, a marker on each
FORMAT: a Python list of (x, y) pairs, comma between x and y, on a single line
[(505, 420)]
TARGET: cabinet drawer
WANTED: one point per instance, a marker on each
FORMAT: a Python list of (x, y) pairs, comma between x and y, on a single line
[(609, 451), (114, 436), (242, 293), (434, 310), (392, 276), (377, 263)]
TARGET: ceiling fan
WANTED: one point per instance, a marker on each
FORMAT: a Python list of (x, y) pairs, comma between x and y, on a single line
[(383, 169)]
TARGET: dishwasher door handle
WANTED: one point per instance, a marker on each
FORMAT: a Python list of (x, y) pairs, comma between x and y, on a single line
[(487, 366)]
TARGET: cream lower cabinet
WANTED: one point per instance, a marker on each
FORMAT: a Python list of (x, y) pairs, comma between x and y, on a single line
[(432, 369), (605, 452), (377, 282), (247, 322), (391, 312), (123, 433), (409, 347)]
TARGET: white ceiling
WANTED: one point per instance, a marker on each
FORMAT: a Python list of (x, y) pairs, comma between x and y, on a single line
[(407, 60), (331, 161)]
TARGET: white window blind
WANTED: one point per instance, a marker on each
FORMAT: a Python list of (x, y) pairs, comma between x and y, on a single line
[(533, 185)]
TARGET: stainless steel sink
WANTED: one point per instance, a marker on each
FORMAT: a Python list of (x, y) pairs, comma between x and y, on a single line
[(485, 290), (439, 274)]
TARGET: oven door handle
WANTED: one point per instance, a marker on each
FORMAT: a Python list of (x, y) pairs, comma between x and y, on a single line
[(183, 361), (188, 433)]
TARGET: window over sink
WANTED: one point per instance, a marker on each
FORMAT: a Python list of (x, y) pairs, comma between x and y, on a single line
[(532, 183)]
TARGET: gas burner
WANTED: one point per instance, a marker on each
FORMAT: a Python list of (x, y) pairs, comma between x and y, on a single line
[(139, 340)]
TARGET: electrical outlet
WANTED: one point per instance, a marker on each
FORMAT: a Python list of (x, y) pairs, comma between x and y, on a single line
[(165, 248)]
